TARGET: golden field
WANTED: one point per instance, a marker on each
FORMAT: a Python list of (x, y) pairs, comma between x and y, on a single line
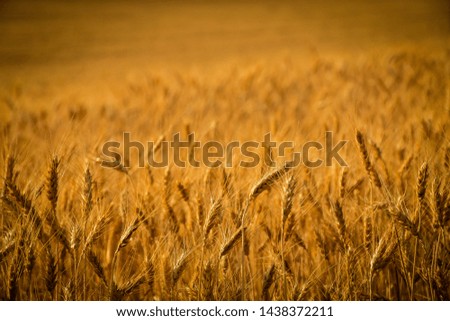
[(377, 229)]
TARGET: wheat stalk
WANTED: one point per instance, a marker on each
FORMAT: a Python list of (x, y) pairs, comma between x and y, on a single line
[(373, 174), (268, 180), (52, 183), (268, 281), (228, 246)]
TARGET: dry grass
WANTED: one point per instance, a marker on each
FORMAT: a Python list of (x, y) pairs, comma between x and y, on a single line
[(378, 229)]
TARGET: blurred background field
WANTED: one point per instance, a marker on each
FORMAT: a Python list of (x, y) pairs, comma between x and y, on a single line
[(76, 44)]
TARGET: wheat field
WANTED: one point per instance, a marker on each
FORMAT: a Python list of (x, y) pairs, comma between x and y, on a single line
[(77, 223), (377, 229)]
